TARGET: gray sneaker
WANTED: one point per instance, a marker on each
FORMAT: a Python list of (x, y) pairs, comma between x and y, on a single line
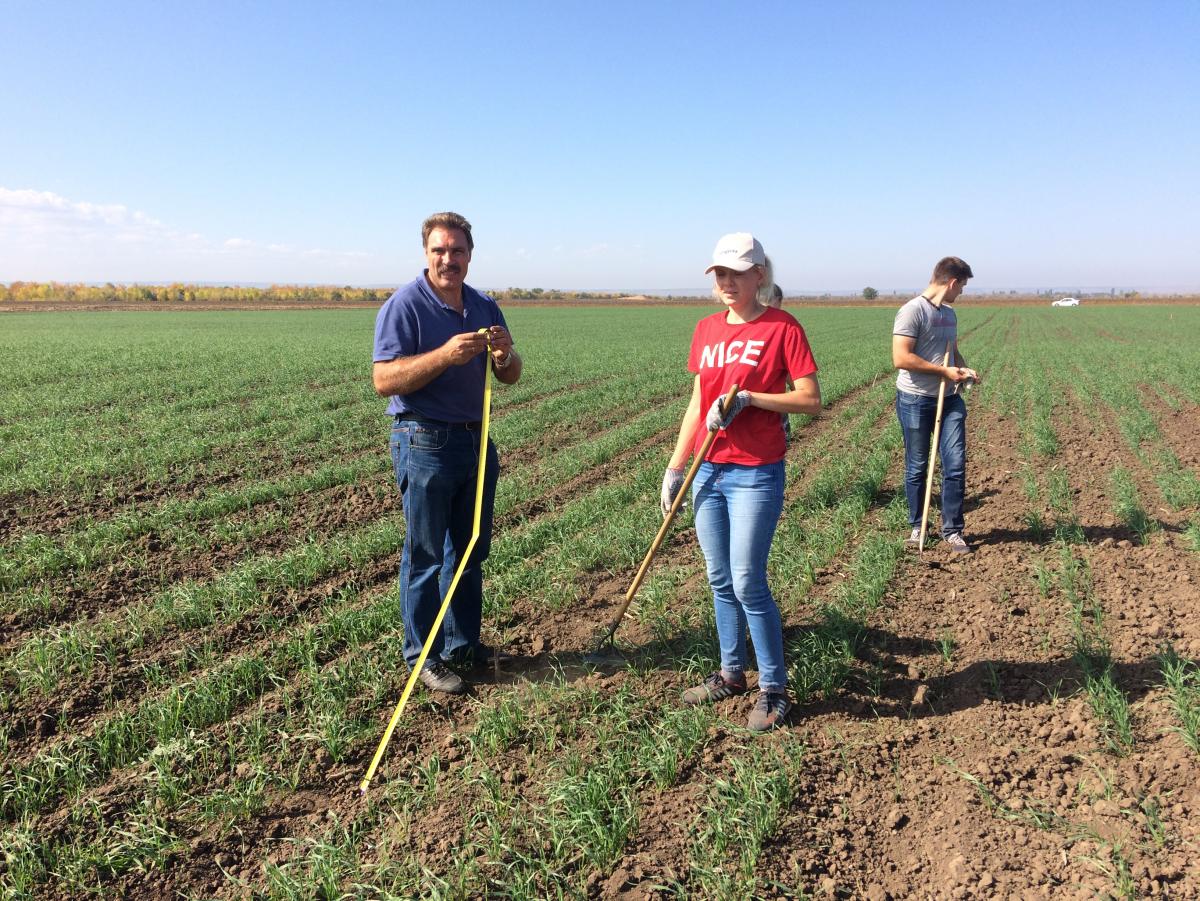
[(914, 538), (957, 543), (439, 677), (715, 688), (770, 711)]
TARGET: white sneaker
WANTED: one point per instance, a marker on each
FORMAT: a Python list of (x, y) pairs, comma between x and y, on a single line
[(913, 540), (957, 543)]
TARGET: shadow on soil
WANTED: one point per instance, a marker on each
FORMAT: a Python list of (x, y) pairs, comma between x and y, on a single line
[(1093, 535), (898, 692)]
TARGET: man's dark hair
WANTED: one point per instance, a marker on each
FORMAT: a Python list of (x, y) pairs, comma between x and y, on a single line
[(947, 268), (446, 220)]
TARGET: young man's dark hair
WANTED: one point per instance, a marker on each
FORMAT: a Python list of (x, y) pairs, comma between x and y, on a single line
[(947, 268), (447, 220)]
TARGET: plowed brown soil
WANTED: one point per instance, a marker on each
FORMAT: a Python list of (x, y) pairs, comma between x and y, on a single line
[(962, 761)]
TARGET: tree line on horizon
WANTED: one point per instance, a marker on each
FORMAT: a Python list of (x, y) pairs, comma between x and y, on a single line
[(181, 293)]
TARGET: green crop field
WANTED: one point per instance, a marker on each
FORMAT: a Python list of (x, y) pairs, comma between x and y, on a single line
[(199, 623)]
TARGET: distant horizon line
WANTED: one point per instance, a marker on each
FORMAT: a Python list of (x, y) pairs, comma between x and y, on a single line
[(911, 291)]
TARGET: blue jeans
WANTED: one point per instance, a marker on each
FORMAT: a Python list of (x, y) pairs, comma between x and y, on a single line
[(916, 413), (436, 469), (737, 511)]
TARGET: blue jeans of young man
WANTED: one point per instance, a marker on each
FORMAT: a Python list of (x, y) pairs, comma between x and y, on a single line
[(436, 469), (916, 413), (737, 511)]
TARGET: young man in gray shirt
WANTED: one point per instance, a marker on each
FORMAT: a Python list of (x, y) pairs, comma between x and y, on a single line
[(925, 328)]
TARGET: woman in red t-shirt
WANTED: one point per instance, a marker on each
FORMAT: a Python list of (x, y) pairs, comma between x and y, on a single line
[(738, 490)]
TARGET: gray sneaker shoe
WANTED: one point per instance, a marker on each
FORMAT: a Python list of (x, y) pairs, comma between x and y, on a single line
[(439, 677), (715, 688), (914, 538), (957, 543), (770, 711)]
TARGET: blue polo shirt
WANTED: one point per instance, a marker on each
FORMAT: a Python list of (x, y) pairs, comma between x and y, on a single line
[(414, 321)]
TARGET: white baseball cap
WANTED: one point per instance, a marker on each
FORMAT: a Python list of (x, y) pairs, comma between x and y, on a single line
[(738, 252)]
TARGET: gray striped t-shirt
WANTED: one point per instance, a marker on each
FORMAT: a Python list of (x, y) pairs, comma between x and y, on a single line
[(932, 326)]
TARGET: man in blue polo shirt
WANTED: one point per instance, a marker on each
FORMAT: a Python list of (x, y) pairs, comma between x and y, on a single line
[(429, 360)]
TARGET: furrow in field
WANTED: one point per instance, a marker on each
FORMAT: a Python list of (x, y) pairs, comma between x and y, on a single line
[(113, 664), (323, 789), (243, 462), (156, 556), (901, 675), (836, 437), (580, 421), (1177, 396), (96, 463), (556, 495), (953, 756), (81, 760), (378, 504), (996, 585), (1149, 588), (973, 670), (1130, 459), (152, 557), (78, 548), (535, 397), (127, 675), (1179, 424), (135, 543), (142, 680), (211, 782), (90, 658), (50, 514)]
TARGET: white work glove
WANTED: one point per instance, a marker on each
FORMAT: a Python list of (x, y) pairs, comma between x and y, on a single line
[(715, 420), (672, 482)]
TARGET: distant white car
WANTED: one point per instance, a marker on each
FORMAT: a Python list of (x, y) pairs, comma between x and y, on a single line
[(1066, 302)]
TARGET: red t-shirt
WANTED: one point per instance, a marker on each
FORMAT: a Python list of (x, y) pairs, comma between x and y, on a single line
[(758, 356)]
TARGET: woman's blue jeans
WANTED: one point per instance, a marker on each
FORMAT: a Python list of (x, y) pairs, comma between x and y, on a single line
[(436, 469), (916, 413), (737, 511)]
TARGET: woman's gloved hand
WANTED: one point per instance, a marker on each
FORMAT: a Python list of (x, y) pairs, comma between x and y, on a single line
[(718, 419)]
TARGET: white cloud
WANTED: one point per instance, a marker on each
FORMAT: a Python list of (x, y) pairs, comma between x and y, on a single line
[(45, 236), (42, 214)]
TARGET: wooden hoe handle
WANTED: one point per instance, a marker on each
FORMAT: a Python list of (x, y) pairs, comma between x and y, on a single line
[(680, 499), (933, 453)]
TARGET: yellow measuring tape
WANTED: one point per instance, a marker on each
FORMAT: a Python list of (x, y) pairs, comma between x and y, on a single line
[(462, 565)]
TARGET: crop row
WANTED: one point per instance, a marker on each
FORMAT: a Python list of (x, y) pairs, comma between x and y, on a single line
[(546, 785)]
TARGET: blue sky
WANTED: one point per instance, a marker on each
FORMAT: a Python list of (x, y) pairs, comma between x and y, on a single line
[(602, 145)]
